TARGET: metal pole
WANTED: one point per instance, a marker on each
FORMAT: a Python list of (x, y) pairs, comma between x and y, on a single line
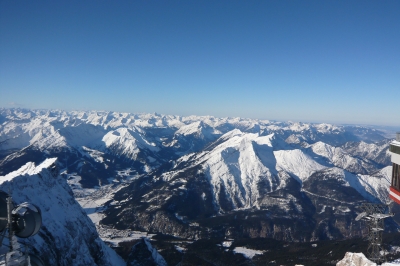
[(9, 218)]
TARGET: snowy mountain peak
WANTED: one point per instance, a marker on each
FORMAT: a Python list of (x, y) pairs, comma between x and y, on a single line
[(198, 129), (28, 169)]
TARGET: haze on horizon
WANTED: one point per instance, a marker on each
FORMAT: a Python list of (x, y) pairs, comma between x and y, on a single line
[(311, 61)]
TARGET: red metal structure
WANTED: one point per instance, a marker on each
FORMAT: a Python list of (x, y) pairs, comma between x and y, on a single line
[(395, 155)]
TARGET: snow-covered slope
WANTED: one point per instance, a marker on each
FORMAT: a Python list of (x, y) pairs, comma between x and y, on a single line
[(67, 236), (377, 184), (297, 163)]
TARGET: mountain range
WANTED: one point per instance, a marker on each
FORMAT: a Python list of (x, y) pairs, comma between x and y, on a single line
[(202, 177)]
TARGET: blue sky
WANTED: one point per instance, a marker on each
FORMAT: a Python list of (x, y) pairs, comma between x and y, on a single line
[(312, 61)]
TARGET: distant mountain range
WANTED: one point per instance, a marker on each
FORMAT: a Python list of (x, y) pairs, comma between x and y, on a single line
[(202, 177)]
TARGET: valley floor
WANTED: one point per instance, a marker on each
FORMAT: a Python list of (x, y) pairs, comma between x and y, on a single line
[(258, 251)]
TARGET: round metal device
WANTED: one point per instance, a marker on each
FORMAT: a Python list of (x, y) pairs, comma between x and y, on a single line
[(35, 260), (28, 220), (3, 210)]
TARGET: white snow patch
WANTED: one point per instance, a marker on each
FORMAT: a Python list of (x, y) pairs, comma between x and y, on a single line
[(248, 253), (180, 249), (392, 263), (227, 244)]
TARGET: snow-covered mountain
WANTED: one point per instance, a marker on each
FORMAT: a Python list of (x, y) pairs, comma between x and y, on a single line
[(243, 171), (200, 177)]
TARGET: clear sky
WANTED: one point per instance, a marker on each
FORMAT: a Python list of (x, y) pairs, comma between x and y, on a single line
[(313, 61)]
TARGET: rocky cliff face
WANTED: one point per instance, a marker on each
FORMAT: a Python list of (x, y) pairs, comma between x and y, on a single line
[(67, 235)]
